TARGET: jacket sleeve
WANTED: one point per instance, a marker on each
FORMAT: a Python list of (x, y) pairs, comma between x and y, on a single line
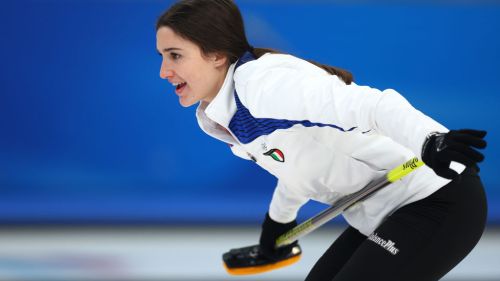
[(291, 94), (286, 203)]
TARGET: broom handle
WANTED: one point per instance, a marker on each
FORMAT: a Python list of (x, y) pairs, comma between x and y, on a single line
[(347, 201)]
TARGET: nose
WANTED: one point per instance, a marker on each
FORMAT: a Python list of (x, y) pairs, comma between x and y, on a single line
[(165, 71)]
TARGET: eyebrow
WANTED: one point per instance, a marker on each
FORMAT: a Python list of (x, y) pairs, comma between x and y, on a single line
[(168, 50)]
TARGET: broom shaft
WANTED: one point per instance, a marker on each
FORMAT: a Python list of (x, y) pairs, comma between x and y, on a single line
[(347, 201)]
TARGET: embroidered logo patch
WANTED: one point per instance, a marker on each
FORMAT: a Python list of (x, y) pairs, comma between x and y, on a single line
[(276, 154)]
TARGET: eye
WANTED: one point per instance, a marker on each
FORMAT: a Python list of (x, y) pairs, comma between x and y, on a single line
[(175, 56)]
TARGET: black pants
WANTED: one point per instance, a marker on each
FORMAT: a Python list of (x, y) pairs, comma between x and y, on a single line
[(421, 241)]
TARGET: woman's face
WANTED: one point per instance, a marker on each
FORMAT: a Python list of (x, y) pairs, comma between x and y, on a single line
[(196, 77)]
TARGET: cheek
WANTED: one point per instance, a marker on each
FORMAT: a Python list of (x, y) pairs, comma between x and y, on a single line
[(201, 79)]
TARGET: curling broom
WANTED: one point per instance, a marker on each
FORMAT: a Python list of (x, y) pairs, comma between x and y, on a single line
[(249, 260)]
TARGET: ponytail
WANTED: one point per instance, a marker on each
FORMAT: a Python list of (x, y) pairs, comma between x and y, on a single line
[(345, 75)]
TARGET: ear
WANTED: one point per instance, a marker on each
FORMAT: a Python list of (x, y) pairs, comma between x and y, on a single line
[(219, 59)]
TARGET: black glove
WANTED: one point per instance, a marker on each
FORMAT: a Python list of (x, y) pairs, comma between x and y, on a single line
[(439, 149), (271, 230)]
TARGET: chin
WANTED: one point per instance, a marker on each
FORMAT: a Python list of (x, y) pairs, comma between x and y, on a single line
[(187, 103)]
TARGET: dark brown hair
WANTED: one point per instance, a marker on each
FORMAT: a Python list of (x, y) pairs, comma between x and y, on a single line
[(217, 26)]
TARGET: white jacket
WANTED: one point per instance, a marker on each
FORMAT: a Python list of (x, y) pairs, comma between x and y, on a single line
[(321, 138)]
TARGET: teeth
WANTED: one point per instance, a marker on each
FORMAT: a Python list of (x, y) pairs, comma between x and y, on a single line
[(177, 84)]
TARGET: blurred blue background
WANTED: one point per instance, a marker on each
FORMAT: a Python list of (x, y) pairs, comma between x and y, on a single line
[(89, 133)]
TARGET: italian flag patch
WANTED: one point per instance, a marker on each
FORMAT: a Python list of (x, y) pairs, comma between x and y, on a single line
[(276, 154)]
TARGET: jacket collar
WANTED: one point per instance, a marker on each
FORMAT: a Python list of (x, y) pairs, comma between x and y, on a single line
[(211, 116), (222, 107)]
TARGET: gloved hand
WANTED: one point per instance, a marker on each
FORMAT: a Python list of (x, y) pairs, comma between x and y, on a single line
[(439, 149), (271, 230)]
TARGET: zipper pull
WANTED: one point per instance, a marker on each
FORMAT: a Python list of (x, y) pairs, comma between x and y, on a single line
[(252, 157)]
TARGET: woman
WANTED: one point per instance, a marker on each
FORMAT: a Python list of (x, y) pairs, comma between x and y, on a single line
[(323, 137)]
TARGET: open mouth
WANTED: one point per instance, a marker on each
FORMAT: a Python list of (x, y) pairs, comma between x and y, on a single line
[(180, 87)]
